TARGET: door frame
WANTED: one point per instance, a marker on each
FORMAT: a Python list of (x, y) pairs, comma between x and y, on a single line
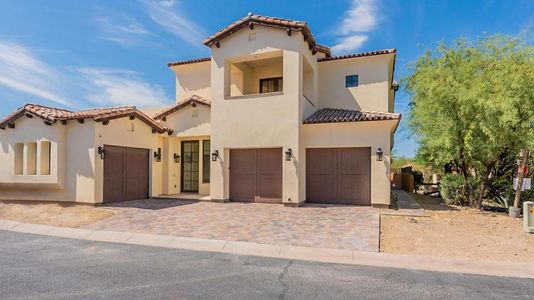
[(182, 158)]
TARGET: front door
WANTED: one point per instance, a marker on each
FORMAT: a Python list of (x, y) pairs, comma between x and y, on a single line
[(190, 158)]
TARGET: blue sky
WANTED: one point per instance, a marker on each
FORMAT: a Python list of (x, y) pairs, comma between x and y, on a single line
[(80, 54)]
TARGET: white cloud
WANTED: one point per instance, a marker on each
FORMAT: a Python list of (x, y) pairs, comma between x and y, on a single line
[(121, 87), (167, 14), (122, 30), (359, 20), (361, 17), (349, 43), (21, 70)]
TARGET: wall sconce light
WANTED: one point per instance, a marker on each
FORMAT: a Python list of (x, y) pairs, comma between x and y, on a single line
[(101, 151), (379, 154), (157, 155), (215, 155), (176, 158), (289, 153)]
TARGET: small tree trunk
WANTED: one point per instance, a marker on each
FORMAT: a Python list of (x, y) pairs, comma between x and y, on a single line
[(483, 184), (520, 177)]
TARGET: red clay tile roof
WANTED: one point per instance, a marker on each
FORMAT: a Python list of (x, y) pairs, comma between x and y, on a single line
[(334, 115), (52, 115), (193, 100), (189, 61), (251, 20), (370, 53), (323, 49)]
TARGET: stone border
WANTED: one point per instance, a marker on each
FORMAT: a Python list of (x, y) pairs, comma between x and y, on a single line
[(412, 262)]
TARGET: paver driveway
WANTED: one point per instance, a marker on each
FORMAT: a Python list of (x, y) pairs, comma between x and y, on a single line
[(322, 226)]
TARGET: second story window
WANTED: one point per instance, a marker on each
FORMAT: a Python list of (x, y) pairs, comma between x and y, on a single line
[(351, 81), (271, 85)]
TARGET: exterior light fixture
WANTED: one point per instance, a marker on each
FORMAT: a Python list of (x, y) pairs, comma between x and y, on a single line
[(101, 151), (214, 155), (176, 158), (379, 154), (289, 153), (157, 155)]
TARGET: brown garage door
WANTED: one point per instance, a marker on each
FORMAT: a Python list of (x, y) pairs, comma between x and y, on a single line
[(125, 174), (338, 176), (256, 175)]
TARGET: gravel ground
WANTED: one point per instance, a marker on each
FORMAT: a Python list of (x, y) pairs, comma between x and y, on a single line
[(68, 215), (453, 231)]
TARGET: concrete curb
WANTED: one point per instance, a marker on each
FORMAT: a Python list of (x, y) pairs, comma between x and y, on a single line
[(341, 256)]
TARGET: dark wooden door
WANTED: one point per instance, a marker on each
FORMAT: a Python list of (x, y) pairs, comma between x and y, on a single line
[(190, 164), (338, 176), (256, 175), (125, 174)]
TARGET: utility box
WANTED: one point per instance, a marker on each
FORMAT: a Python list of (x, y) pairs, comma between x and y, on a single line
[(528, 216)]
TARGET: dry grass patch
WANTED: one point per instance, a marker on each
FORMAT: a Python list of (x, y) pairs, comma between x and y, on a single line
[(67, 215), (460, 232)]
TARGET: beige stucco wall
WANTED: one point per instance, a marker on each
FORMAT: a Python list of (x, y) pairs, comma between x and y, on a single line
[(129, 133), (193, 79), (374, 134), (265, 121), (190, 121), (373, 91), (71, 165)]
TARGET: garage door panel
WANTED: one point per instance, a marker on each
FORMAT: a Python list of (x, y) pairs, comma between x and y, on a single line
[(242, 188), (338, 176), (125, 174), (321, 189), (136, 174), (256, 175), (322, 161), (269, 162), (270, 187), (348, 194), (354, 160), (243, 161)]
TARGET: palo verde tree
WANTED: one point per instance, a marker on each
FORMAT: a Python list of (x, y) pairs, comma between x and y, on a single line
[(473, 104)]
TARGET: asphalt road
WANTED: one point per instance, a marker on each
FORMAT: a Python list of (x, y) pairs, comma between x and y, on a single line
[(41, 267)]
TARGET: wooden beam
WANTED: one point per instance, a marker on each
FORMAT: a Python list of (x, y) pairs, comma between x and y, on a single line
[(289, 32), (164, 119), (218, 44), (80, 121), (64, 122), (11, 125), (154, 130), (132, 117), (48, 123), (251, 25), (310, 46), (28, 115), (105, 122), (305, 37)]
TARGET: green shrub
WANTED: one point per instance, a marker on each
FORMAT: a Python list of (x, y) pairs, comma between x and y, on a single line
[(451, 189)]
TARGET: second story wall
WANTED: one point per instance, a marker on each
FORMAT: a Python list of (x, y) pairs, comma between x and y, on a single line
[(193, 79), (373, 92)]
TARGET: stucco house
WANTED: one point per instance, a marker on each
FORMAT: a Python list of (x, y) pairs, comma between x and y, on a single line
[(271, 116)]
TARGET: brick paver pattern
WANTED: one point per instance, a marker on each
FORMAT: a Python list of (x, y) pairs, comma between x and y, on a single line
[(320, 226)]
